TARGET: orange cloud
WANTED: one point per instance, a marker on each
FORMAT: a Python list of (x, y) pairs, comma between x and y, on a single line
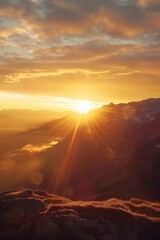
[(57, 47), (32, 148), (50, 19), (4, 33), (148, 2)]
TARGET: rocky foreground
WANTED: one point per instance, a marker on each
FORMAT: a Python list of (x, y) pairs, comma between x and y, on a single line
[(38, 215)]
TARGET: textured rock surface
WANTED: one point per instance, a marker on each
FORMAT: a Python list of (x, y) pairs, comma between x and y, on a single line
[(38, 215)]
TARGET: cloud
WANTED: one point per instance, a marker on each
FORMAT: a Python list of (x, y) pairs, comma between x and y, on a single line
[(149, 2), (44, 43), (52, 18), (4, 33), (33, 149), (60, 61)]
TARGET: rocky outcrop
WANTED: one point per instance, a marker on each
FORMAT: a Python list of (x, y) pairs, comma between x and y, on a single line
[(38, 215)]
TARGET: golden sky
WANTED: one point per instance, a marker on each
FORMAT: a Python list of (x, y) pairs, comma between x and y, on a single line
[(58, 50)]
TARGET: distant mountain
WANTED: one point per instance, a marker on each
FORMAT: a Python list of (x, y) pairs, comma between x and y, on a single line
[(22, 119), (38, 215), (113, 153)]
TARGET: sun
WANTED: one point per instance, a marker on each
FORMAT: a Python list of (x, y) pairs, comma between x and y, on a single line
[(82, 107)]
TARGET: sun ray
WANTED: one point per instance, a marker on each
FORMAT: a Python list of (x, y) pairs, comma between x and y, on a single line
[(66, 164)]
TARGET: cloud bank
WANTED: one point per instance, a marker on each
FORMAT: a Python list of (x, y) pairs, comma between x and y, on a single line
[(58, 47)]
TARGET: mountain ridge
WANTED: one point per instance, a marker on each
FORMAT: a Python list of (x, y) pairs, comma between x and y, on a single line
[(108, 155)]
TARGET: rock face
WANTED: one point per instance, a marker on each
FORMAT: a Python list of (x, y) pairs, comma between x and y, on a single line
[(38, 215)]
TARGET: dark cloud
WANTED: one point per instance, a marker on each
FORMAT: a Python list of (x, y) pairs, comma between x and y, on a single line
[(50, 18)]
